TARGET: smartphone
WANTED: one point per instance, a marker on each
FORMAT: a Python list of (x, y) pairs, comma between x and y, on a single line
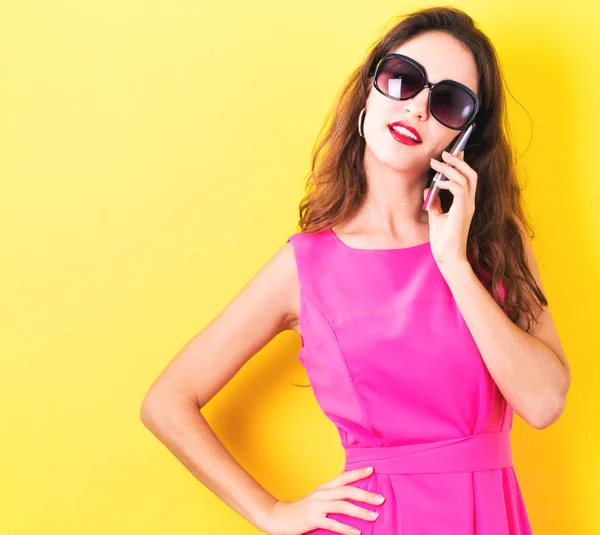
[(456, 148)]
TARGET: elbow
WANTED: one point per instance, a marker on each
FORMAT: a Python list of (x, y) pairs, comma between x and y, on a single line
[(145, 413), (552, 409), (148, 410), (158, 406), (548, 414)]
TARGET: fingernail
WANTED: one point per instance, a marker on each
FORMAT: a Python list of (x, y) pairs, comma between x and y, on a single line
[(373, 514), (379, 499), (356, 531), (368, 468), (445, 153)]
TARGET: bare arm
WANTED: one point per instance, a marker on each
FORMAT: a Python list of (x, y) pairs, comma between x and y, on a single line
[(266, 306), (530, 368)]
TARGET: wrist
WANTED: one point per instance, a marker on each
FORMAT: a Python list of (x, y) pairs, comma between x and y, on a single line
[(455, 269), (262, 514)]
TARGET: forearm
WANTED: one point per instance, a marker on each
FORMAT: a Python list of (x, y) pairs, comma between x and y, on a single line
[(530, 376), (182, 428)]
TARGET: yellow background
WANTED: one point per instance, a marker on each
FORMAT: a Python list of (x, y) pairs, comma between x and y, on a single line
[(152, 159)]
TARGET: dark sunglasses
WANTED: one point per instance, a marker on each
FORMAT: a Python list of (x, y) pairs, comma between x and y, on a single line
[(399, 77)]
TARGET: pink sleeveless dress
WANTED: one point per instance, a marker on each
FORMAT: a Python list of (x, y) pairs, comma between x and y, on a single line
[(393, 365)]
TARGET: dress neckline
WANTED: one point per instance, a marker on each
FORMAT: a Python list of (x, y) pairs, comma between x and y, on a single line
[(424, 245)]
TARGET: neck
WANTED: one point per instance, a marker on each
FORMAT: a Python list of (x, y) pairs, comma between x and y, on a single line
[(394, 201)]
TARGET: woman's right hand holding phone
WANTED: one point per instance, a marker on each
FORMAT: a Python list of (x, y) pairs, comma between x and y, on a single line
[(310, 512)]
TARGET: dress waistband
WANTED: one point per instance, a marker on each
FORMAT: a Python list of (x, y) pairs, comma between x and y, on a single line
[(473, 453)]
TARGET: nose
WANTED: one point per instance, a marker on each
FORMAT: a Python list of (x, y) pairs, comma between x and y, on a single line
[(419, 104)]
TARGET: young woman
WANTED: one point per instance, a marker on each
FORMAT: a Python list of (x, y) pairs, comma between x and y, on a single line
[(422, 330)]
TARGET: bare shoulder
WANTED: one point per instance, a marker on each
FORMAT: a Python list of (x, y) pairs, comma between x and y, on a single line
[(284, 268), (275, 288), (266, 305)]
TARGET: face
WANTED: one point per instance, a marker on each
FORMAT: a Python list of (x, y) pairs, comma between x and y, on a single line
[(443, 57)]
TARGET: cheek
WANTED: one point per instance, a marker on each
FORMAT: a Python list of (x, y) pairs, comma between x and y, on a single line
[(381, 110), (452, 141), (375, 124), (444, 143)]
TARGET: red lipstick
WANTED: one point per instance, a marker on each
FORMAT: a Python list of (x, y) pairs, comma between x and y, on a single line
[(403, 137)]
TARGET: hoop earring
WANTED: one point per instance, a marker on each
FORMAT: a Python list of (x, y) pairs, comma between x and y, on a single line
[(360, 122)]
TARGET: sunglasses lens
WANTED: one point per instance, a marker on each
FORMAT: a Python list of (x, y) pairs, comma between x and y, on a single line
[(452, 105), (399, 78)]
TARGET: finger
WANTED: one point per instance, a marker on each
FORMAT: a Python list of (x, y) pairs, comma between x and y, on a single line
[(460, 164), (451, 173), (330, 524), (353, 493), (347, 477), (347, 508), (457, 190), (468, 172)]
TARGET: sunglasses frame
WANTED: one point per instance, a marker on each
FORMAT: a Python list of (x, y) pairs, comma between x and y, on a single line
[(426, 83)]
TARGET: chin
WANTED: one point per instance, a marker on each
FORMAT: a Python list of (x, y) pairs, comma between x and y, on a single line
[(400, 161), (396, 156)]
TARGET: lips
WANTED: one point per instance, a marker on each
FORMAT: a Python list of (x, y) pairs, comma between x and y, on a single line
[(403, 138)]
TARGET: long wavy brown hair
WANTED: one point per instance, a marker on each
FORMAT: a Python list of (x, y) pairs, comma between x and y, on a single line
[(337, 183)]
